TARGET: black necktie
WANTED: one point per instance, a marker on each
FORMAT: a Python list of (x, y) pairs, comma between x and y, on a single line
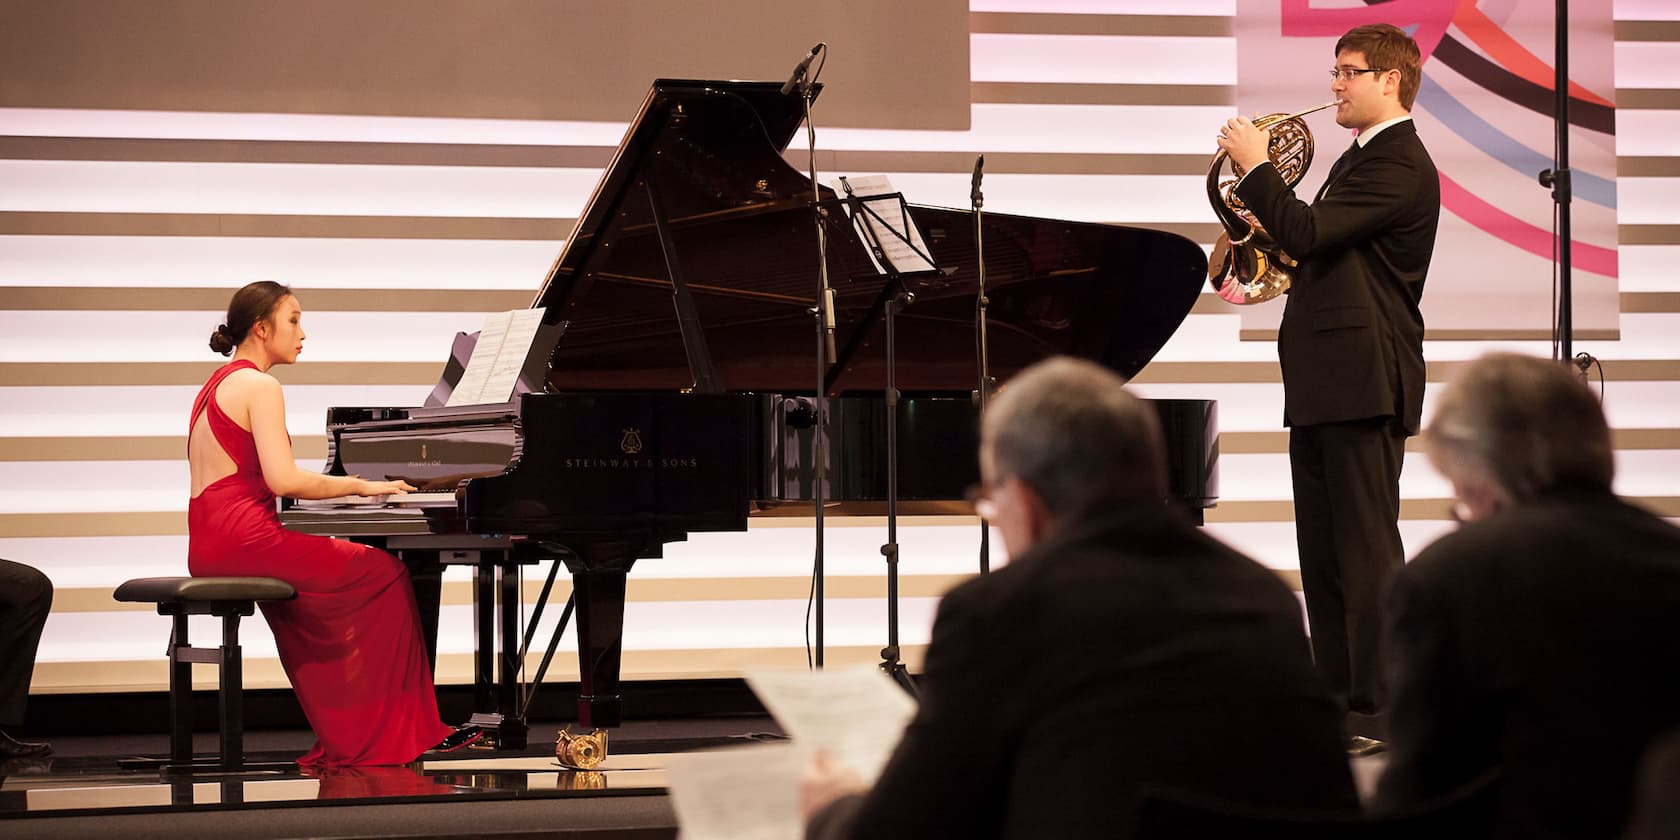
[(1339, 167)]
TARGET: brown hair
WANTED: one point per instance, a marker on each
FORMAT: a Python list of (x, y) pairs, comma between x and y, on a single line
[(1524, 424), (1388, 47), (1068, 429), (250, 306)]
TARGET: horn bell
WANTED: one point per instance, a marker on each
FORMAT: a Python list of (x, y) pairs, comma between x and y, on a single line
[(1246, 265)]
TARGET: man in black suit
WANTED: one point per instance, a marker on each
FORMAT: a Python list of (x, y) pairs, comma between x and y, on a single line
[(1120, 649), (25, 600), (1543, 636), (1351, 350)]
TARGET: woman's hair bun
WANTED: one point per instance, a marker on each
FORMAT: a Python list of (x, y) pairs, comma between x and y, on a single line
[(221, 342)]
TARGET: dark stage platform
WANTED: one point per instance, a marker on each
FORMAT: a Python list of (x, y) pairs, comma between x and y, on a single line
[(81, 791)]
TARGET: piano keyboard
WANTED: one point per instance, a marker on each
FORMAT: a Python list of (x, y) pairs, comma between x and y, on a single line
[(393, 500)]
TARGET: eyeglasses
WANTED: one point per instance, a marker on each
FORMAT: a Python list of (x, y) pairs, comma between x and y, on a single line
[(979, 497), (1347, 74)]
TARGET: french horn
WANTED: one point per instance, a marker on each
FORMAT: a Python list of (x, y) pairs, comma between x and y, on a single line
[(1246, 265)]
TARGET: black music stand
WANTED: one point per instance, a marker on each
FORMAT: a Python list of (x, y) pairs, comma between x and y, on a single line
[(895, 294)]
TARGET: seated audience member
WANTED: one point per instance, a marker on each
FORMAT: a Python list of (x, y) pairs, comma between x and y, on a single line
[(1656, 796), (1543, 636), (1121, 648), (25, 599)]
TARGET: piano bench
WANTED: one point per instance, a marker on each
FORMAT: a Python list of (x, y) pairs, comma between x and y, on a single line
[(228, 598)]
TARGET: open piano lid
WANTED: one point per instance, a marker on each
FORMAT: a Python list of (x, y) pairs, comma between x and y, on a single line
[(742, 237)]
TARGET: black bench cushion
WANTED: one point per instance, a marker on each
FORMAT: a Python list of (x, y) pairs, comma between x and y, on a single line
[(163, 590)]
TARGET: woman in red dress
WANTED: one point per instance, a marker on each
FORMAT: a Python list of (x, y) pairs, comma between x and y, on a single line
[(351, 642)]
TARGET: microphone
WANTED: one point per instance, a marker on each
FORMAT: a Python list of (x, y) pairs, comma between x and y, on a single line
[(799, 72), (974, 188)]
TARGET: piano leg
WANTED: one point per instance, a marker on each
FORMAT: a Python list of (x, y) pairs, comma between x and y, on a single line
[(426, 573), (599, 599), (507, 676), (484, 632)]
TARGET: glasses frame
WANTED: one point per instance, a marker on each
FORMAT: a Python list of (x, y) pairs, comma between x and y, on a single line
[(1348, 74), (981, 498)]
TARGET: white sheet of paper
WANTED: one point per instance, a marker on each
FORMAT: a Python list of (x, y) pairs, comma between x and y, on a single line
[(745, 793), (503, 343), (901, 241), (856, 715)]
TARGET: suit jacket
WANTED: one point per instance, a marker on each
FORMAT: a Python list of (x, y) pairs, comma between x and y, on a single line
[(1546, 640), (1131, 653), (1351, 340)]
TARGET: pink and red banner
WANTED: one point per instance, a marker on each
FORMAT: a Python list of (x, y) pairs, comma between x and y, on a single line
[(1485, 110)]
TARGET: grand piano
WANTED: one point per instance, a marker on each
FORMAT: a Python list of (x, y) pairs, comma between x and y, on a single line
[(670, 387)]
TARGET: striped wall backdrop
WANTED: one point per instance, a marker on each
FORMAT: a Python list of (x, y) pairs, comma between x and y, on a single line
[(122, 234)]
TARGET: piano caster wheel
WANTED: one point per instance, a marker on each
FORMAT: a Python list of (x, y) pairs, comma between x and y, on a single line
[(581, 752)]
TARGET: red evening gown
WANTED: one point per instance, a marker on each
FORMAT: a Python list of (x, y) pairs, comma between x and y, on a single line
[(351, 642)]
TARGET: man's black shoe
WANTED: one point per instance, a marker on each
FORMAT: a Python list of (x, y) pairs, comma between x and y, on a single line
[(13, 748), (462, 737), (1359, 746)]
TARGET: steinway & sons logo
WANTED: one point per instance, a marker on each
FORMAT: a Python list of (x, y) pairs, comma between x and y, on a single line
[(425, 460), (630, 443)]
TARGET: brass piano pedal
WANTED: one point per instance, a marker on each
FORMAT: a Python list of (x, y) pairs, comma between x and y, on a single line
[(583, 751)]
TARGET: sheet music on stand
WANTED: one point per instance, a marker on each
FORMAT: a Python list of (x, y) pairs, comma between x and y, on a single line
[(883, 221), (497, 359)]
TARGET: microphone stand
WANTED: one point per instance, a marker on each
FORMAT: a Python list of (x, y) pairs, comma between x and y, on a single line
[(889, 654), (895, 295), (823, 316), (1558, 179), (982, 348)]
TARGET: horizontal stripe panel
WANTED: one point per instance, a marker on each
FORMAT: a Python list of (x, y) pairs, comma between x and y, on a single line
[(67, 299), (1064, 129), (155, 411), (1134, 25), (1645, 30), (208, 267), (331, 128), (111, 676), (1649, 268), (1645, 302), (1018, 163), (641, 589), (159, 410), (1648, 201), (1647, 64), (69, 487), (1629, 100), (292, 188), (1647, 167), (1091, 93), (377, 336), (195, 373), (1214, 8), (304, 151), (32, 223), (1647, 133), (1641, 10), (168, 523), (313, 447), (423, 373), (1109, 59), (1648, 234)]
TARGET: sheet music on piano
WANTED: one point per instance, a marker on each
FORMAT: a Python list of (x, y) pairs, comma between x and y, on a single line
[(885, 221), (504, 342)]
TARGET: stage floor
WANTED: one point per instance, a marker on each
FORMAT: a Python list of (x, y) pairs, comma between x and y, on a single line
[(82, 785)]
